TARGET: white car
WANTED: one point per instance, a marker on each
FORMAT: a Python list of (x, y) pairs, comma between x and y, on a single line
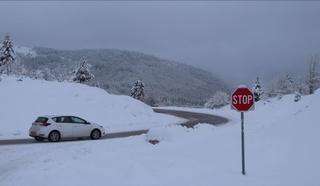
[(54, 128)]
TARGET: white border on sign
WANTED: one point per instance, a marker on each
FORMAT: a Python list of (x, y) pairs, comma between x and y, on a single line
[(252, 106)]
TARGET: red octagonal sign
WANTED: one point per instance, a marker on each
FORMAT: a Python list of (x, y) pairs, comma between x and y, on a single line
[(242, 99)]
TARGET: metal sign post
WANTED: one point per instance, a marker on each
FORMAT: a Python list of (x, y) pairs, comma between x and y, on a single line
[(242, 144), (242, 100)]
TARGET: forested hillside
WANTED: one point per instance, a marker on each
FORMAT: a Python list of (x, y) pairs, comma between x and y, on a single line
[(168, 82)]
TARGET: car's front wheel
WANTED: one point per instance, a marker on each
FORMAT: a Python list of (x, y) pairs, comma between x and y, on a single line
[(39, 138), (95, 134), (54, 136)]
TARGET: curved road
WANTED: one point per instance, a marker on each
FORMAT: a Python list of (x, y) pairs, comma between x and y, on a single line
[(192, 120), (193, 117)]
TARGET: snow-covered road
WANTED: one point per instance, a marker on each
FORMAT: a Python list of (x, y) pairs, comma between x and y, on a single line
[(192, 119)]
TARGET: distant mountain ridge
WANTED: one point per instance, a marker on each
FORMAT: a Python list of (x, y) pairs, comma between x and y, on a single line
[(171, 83)]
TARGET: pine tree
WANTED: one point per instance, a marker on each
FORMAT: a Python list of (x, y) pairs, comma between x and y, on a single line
[(7, 53), (82, 74), (137, 91), (219, 99), (257, 90)]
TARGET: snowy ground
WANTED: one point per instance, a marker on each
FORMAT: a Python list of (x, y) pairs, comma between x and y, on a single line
[(282, 149), (23, 101)]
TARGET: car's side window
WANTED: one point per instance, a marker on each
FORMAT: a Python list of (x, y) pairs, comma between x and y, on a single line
[(63, 119), (78, 120), (66, 119), (58, 119)]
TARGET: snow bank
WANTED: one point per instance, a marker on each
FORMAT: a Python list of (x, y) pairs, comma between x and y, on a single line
[(282, 149), (282, 140), (23, 101), (165, 134)]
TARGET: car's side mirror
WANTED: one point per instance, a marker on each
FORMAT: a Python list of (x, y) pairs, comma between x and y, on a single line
[(88, 123)]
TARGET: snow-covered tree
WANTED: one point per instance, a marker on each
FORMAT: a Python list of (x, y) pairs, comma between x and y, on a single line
[(7, 55), (82, 74), (297, 96), (257, 90), (137, 91), (286, 85), (219, 99)]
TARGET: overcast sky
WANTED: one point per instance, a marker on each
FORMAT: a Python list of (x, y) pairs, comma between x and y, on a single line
[(235, 40)]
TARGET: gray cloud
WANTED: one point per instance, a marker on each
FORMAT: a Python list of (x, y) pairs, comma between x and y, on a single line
[(236, 40)]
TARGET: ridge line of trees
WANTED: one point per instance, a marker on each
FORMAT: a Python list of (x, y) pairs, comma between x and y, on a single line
[(285, 85)]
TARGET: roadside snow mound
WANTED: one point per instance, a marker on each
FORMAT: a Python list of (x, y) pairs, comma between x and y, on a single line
[(23, 101), (281, 143), (166, 133)]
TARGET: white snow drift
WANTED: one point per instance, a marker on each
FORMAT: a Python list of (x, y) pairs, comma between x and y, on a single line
[(282, 149), (22, 101)]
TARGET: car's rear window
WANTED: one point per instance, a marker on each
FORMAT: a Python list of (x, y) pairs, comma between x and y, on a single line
[(55, 119), (41, 119), (59, 119)]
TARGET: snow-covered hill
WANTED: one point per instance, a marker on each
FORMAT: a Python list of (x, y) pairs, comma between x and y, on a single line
[(23, 101), (168, 82), (282, 144)]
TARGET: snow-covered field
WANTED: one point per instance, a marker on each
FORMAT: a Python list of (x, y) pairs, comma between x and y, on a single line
[(282, 149), (23, 101)]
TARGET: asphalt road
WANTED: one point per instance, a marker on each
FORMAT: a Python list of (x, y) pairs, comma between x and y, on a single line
[(192, 120)]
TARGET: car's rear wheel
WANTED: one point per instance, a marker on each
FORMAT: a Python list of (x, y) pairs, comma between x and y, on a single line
[(54, 136), (95, 134), (39, 138)]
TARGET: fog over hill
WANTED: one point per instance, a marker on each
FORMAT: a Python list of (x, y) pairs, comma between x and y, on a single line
[(171, 83)]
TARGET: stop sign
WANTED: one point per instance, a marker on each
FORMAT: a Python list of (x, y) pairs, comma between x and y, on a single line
[(242, 99)]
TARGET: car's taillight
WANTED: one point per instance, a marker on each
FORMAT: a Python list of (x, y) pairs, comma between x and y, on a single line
[(41, 123), (46, 124)]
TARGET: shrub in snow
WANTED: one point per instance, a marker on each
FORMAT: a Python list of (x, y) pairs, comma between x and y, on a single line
[(82, 74), (7, 54), (219, 99), (297, 97), (151, 101), (44, 74), (137, 91), (286, 85), (257, 90), (156, 135), (160, 134)]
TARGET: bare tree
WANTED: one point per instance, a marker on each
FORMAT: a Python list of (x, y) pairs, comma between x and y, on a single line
[(313, 76)]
